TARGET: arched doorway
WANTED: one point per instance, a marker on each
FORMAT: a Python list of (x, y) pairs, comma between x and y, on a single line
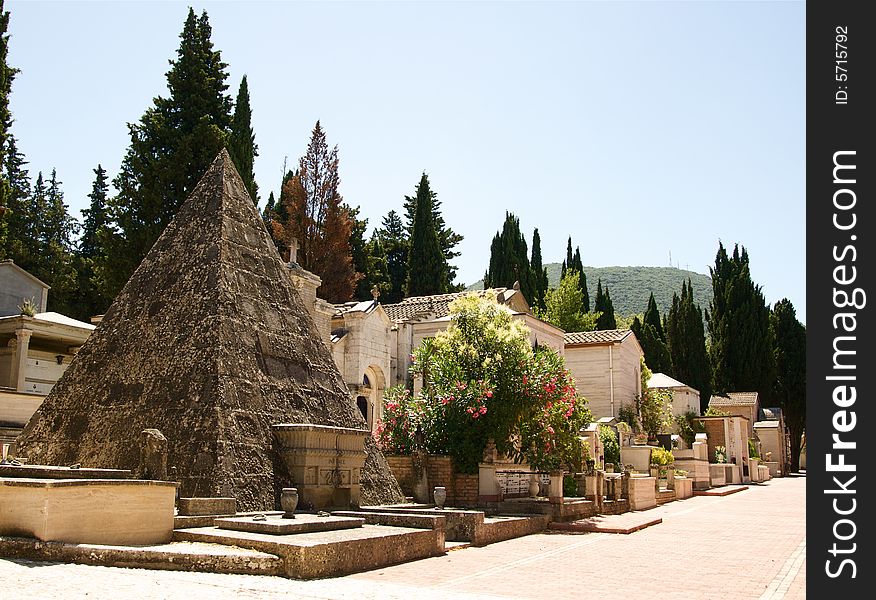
[(371, 390)]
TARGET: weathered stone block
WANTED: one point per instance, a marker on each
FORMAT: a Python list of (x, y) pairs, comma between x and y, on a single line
[(207, 506)]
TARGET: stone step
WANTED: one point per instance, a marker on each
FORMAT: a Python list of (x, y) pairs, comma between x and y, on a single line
[(278, 525), (330, 553), (725, 490), (174, 556), (626, 523)]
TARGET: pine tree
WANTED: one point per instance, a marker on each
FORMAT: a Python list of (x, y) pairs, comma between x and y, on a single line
[(789, 391), (604, 307), (394, 241), (318, 220), (539, 272), (20, 246), (171, 147), (376, 270), (686, 342), (427, 263), (509, 260), (241, 144), (741, 346), (447, 238), (55, 259), (91, 256), (7, 74)]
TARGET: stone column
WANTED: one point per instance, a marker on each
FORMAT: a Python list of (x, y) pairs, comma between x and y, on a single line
[(19, 361)]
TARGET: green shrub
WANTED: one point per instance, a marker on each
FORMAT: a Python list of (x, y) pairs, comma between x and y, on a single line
[(752, 449), (570, 486), (610, 445), (689, 426), (661, 457)]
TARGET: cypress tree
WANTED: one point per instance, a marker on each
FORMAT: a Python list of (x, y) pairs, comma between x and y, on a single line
[(604, 307), (427, 266), (171, 147), (447, 238), (686, 342), (789, 352), (539, 272), (360, 253), (241, 144), (582, 279), (395, 244), (741, 346), (509, 261), (7, 74), (652, 318), (567, 263)]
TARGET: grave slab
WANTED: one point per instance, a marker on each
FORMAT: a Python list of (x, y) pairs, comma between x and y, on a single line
[(302, 523)]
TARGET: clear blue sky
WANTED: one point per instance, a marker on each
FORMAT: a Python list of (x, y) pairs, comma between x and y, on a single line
[(641, 128)]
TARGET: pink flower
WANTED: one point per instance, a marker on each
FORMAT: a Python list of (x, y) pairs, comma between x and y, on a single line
[(550, 430), (460, 385), (445, 401), (469, 410), (483, 410), (475, 415), (488, 394)]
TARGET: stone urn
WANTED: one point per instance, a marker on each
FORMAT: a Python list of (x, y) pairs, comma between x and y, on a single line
[(533, 487), (289, 502), (440, 495)]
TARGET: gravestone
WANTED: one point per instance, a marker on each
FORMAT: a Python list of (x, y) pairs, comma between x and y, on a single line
[(210, 343)]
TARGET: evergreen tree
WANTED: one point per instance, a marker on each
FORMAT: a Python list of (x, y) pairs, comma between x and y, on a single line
[(563, 306), (269, 212), (171, 147), (7, 74), (604, 307), (509, 261), (686, 342), (741, 349), (652, 318), (427, 263), (653, 347), (376, 270), (447, 238), (539, 272), (360, 253), (319, 221), (789, 391), (55, 260), (241, 143), (20, 245), (394, 241), (573, 262), (91, 255)]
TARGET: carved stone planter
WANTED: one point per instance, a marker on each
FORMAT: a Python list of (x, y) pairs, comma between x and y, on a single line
[(323, 461)]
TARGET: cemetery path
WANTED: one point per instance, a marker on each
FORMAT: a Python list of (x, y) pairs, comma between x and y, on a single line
[(746, 545)]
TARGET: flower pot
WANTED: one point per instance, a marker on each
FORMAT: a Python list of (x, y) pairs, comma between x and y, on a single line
[(289, 502), (440, 495), (533, 487)]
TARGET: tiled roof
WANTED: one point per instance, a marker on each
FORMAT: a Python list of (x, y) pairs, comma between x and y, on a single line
[(734, 399), (605, 336), (417, 307)]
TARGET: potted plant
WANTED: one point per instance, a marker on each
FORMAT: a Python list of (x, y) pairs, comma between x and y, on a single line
[(660, 461)]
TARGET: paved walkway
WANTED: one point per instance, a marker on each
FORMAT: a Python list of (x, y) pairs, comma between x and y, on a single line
[(747, 545)]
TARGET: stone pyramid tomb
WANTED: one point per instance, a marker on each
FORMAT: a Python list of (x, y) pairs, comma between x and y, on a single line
[(209, 343)]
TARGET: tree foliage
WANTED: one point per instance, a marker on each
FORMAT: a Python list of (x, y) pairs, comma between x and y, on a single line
[(686, 343), (649, 332), (170, 148), (509, 260), (789, 391), (563, 306), (482, 381), (394, 242), (428, 271), (318, 220), (573, 263), (539, 273), (91, 254), (741, 348), (447, 238), (7, 74), (241, 143), (604, 307)]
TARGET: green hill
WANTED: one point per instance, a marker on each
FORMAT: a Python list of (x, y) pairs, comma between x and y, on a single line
[(630, 286)]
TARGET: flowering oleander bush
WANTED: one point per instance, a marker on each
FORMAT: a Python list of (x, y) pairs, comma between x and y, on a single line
[(482, 380)]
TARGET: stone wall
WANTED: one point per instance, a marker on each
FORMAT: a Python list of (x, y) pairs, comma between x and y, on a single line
[(440, 472)]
